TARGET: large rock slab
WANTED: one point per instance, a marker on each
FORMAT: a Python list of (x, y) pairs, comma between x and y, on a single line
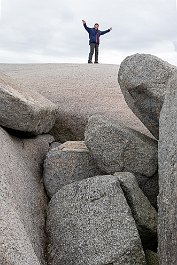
[(67, 163), (24, 110), (118, 148), (23, 200), (143, 80), (144, 214), (89, 223), (79, 91), (167, 200), (16, 246)]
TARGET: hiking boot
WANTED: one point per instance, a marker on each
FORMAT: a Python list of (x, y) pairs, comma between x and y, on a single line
[(89, 61), (96, 62)]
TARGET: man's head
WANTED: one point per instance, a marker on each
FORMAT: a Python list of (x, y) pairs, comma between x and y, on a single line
[(96, 26)]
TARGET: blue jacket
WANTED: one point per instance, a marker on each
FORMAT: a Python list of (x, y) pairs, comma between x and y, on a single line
[(93, 34)]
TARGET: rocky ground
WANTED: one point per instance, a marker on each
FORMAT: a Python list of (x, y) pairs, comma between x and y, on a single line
[(80, 174), (79, 91)]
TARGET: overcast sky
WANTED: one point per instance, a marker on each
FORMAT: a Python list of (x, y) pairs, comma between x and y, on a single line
[(51, 30)]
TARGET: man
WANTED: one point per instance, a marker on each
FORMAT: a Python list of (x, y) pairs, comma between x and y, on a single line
[(94, 39)]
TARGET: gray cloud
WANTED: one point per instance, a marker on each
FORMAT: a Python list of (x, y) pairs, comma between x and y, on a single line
[(52, 29)]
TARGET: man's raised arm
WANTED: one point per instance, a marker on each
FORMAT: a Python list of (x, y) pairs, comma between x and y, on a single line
[(105, 31), (85, 26)]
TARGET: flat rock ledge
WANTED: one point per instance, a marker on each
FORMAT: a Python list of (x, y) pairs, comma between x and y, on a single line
[(24, 110)]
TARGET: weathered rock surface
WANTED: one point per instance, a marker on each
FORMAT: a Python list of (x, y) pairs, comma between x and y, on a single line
[(150, 187), (143, 212), (89, 222), (117, 148), (24, 110), (22, 200), (54, 145), (67, 163), (152, 258), (167, 199), (143, 80), (79, 91), (16, 246)]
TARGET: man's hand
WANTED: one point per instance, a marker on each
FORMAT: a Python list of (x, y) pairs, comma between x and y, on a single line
[(110, 29), (83, 21)]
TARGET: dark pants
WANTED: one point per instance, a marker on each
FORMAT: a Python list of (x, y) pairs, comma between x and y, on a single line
[(93, 47)]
